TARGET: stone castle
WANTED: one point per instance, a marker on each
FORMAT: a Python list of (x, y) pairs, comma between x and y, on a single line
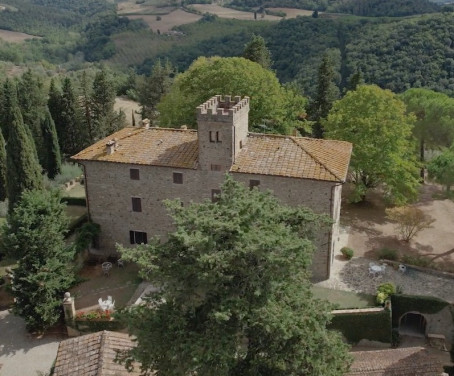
[(130, 173)]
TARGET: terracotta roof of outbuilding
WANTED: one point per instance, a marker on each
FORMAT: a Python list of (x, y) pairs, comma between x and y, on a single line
[(264, 154), (93, 355), (410, 361)]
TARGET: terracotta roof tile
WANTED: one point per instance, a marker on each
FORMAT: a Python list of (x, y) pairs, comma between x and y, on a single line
[(298, 157), (263, 154), (410, 361), (92, 355), (153, 146)]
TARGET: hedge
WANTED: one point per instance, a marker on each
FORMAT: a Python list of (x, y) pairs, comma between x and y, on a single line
[(77, 201), (374, 326), (407, 303)]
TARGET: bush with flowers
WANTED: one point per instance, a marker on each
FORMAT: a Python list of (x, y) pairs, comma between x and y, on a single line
[(94, 315)]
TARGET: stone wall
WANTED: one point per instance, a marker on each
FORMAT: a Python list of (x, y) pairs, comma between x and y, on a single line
[(110, 192)]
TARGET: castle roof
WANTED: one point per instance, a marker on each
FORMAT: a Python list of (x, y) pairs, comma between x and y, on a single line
[(264, 154)]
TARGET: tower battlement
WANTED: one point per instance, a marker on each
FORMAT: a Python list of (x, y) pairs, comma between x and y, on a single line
[(222, 109)]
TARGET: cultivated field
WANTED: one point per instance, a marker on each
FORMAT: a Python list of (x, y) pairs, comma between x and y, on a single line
[(293, 12), (14, 36), (231, 13), (167, 21)]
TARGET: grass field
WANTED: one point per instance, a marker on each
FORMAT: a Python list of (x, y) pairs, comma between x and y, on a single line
[(166, 22), (14, 36), (344, 299)]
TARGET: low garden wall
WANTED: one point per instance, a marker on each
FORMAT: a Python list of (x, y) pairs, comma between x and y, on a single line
[(373, 324)]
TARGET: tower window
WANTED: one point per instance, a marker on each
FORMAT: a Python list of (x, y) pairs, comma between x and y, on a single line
[(138, 237), (214, 136)]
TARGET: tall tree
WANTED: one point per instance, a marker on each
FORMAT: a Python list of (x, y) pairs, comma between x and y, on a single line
[(327, 93), (52, 162), (375, 121), (8, 103), (32, 103), (69, 128), (434, 127), (87, 108), (23, 169), (230, 76), (235, 297), (441, 168), (154, 87), (3, 169), (257, 51), (34, 233)]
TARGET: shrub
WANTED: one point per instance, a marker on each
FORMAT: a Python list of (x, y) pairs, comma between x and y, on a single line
[(388, 254), (384, 291), (347, 252), (416, 260), (68, 172), (410, 221)]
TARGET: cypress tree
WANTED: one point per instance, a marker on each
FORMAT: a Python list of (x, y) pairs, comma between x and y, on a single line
[(327, 93), (8, 102), (103, 100), (3, 193), (52, 164), (23, 169)]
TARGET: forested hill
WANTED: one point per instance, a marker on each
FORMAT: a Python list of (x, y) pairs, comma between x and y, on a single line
[(370, 8), (43, 17), (395, 53)]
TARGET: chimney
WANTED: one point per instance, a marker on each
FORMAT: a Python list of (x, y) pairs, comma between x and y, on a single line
[(146, 123), (110, 147)]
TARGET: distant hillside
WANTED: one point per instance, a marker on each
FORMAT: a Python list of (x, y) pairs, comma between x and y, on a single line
[(369, 8)]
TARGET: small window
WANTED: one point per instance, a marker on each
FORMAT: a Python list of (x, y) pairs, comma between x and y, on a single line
[(134, 174), (138, 237), (241, 144), (215, 195), (178, 178), (216, 167), (214, 136), (136, 204), (254, 183)]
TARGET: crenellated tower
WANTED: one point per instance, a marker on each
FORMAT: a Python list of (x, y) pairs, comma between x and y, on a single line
[(222, 131)]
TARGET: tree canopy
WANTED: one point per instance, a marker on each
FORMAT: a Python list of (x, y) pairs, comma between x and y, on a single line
[(234, 295), (34, 233), (375, 121), (230, 76), (441, 168), (257, 51)]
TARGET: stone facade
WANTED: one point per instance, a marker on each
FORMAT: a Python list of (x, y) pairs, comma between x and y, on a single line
[(125, 198)]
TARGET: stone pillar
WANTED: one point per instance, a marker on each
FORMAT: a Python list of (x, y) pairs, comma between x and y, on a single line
[(70, 315)]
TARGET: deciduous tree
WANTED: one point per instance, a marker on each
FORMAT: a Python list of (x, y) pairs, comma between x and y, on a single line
[(234, 294), (375, 121), (34, 233), (441, 168), (228, 76), (409, 220)]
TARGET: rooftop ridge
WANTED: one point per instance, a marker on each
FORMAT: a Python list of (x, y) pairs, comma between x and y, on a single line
[(315, 158)]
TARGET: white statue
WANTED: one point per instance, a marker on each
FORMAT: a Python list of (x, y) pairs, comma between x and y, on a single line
[(106, 305)]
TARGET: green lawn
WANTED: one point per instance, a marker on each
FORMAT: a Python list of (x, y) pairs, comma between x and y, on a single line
[(344, 299)]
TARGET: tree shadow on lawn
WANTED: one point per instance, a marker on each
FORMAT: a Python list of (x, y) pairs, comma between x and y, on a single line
[(376, 243)]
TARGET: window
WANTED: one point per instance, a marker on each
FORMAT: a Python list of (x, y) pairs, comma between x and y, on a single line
[(254, 183), (241, 144), (138, 237), (136, 204), (134, 174), (216, 167), (178, 178), (215, 195), (214, 136)]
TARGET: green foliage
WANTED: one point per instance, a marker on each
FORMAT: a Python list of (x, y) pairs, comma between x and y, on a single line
[(3, 169), (235, 297), (384, 8), (76, 201), (23, 169), (384, 291), (229, 76), (69, 171), (374, 326), (416, 260), (34, 233), (402, 304), (441, 168), (52, 156), (374, 120), (347, 252), (388, 254), (257, 52), (86, 235)]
